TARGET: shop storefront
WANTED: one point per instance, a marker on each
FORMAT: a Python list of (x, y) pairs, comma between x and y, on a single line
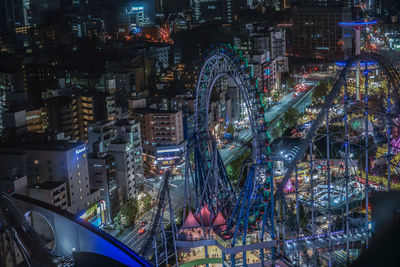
[(96, 214)]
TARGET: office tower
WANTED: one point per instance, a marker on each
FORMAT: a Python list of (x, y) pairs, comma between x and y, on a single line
[(213, 10), (14, 13), (317, 34)]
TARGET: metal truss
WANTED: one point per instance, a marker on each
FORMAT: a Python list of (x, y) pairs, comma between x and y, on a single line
[(251, 209), (338, 96), (160, 244)]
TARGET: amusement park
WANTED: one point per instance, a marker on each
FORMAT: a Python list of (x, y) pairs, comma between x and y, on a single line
[(309, 207)]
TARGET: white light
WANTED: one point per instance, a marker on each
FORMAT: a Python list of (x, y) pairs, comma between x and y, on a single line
[(169, 150), (73, 249), (137, 8)]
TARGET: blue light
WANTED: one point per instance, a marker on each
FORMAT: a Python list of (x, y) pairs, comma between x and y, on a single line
[(342, 63), (357, 23)]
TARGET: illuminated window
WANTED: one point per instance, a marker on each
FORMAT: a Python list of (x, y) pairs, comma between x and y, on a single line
[(36, 161), (81, 197), (77, 166), (80, 189), (84, 155), (79, 174), (79, 182)]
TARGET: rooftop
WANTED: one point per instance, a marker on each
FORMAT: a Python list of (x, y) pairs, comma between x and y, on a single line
[(47, 185), (10, 147), (154, 111)]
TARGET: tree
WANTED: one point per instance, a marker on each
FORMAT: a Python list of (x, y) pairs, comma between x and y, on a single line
[(117, 223), (276, 131), (265, 101), (291, 117), (146, 200), (130, 210), (235, 167), (231, 128), (287, 79), (320, 90)]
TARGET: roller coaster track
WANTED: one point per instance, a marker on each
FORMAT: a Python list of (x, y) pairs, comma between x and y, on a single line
[(156, 221), (393, 87), (334, 93)]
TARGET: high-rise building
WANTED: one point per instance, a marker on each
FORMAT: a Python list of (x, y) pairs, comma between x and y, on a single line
[(127, 179), (100, 136), (94, 106), (88, 27), (14, 14), (59, 161), (172, 5), (63, 116), (36, 120), (213, 10), (148, 7), (129, 130), (102, 174), (317, 34), (163, 137), (121, 140)]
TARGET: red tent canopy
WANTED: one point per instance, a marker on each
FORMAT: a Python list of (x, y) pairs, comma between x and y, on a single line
[(190, 222), (219, 220), (204, 216)]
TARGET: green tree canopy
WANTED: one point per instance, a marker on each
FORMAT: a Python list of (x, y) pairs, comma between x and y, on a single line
[(130, 210), (321, 90), (231, 128), (291, 117), (287, 79)]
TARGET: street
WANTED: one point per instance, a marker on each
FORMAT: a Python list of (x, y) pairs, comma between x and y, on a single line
[(228, 155), (132, 238)]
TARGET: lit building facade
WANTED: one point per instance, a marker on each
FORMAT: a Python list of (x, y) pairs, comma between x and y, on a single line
[(58, 161), (162, 132), (62, 116), (36, 120), (92, 107)]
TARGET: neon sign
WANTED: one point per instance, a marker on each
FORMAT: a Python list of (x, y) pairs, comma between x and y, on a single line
[(137, 8)]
